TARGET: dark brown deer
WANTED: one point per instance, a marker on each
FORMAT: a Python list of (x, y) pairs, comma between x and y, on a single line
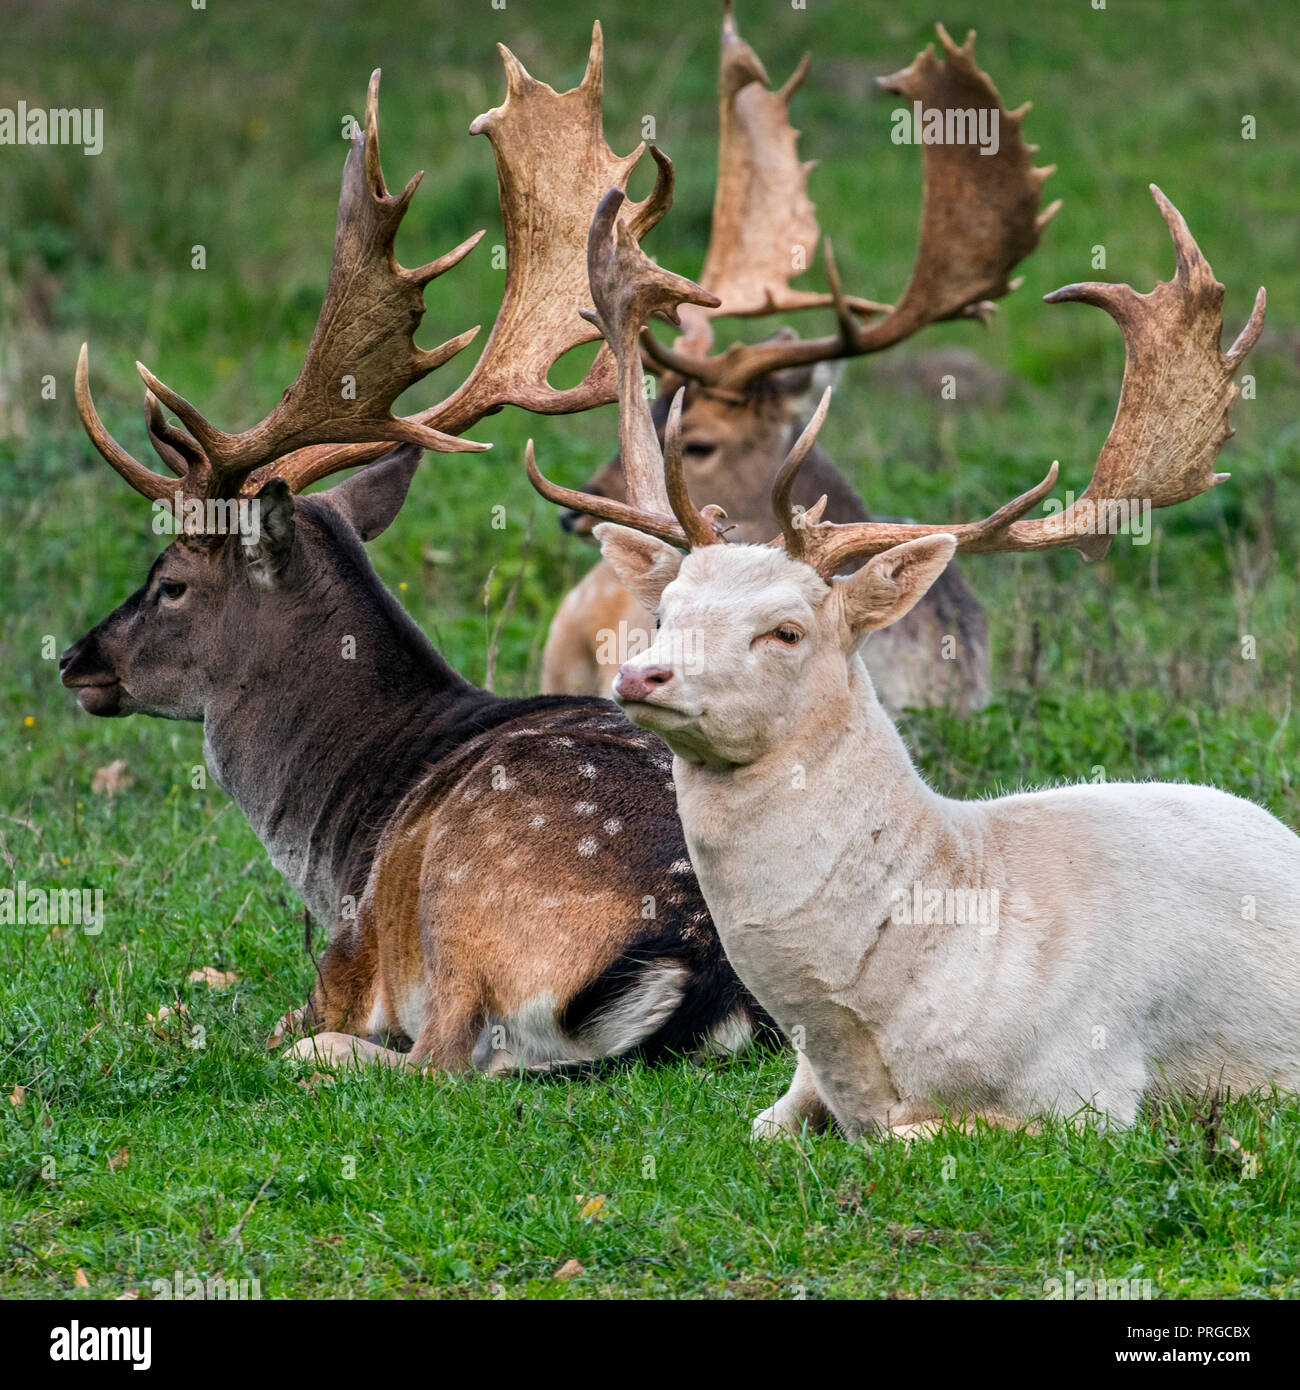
[(505, 879), (745, 406)]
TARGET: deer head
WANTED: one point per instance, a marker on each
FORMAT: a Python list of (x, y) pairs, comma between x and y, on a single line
[(756, 645), (255, 556), (742, 406)]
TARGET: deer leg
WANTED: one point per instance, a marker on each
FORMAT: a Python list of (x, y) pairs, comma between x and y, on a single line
[(801, 1103), (449, 1035), (346, 982), (929, 1129)]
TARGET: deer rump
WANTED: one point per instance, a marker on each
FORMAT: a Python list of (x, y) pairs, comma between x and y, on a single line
[(529, 903)]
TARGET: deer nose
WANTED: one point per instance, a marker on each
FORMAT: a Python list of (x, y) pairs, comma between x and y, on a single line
[(640, 682), (575, 523)]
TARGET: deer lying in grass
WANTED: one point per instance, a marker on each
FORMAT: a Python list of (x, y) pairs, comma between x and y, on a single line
[(506, 879), (745, 405), (1148, 935)]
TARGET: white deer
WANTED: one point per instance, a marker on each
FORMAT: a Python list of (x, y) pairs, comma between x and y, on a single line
[(1127, 938)]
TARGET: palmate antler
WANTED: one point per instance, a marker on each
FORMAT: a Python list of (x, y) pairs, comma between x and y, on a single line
[(1171, 422), (980, 217), (552, 165)]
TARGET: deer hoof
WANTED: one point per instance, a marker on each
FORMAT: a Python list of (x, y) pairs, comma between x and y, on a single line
[(774, 1122)]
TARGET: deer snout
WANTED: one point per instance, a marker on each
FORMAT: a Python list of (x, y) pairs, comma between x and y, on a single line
[(83, 668), (575, 523), (640, 682)]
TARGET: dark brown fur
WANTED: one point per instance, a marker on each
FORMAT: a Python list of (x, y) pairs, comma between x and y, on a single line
[(403, 803)]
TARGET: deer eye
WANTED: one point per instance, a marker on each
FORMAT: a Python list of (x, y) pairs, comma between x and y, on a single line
[(170, 589), (787, 634), (698, 448)]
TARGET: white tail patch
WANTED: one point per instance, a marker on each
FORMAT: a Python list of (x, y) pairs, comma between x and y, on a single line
[(729, 1037), (639, 1011)]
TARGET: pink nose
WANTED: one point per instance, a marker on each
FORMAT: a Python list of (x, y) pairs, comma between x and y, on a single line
[(640, 682)]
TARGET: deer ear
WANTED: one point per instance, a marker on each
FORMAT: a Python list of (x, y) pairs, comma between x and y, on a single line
[(268, 545), (372, 496), (889, 584), (645, 565)]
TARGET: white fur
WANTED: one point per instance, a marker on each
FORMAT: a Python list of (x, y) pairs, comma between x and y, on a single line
[(1147, 938)]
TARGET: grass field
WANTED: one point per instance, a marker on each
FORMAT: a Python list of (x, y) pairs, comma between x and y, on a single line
[(130, 1149)]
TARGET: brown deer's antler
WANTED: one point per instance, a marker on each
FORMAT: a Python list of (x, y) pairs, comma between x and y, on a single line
[(980, 217), (553, 163), (1171, 422)]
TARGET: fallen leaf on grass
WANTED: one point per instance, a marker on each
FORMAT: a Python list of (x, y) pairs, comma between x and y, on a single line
[(165, 1011), (315, 1081), (568, 1270), (593, 1208), (17, 1095), (212, 977), (119, 1160), (128, 1297), (80, 1280), (111, 779)]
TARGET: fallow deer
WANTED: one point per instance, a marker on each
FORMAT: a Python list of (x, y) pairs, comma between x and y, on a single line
[(1147, 935), (744, 406), (505, 879)]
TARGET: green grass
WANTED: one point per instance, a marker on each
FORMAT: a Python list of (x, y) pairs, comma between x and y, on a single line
[(222, 129)]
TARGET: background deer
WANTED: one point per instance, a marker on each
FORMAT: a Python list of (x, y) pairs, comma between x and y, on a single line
[(1147, 936), (745, 405), (506, 879)]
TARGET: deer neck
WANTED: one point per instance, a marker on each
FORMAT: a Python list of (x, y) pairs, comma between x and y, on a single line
[(326, 725), (801, 854)]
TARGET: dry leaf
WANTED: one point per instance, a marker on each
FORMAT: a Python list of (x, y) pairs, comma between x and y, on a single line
[(166, 1011), (120, 1159), (111, 779), (80, 1280), (568, 1270), (17, 1095), (128, 1297), (212, 977), (593, 1208), (315, 1081)]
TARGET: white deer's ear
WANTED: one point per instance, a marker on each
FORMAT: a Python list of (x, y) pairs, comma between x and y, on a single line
[(645, 565), (889, 584), (269, 543)]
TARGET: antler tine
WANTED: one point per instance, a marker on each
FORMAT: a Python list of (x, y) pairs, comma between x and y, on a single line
[(700, 529), (1170, 424), (553, 165), (178, 450), (362, 354), (980, 217), (793, 529), (627, 288), (144, 480), (605, 508)]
